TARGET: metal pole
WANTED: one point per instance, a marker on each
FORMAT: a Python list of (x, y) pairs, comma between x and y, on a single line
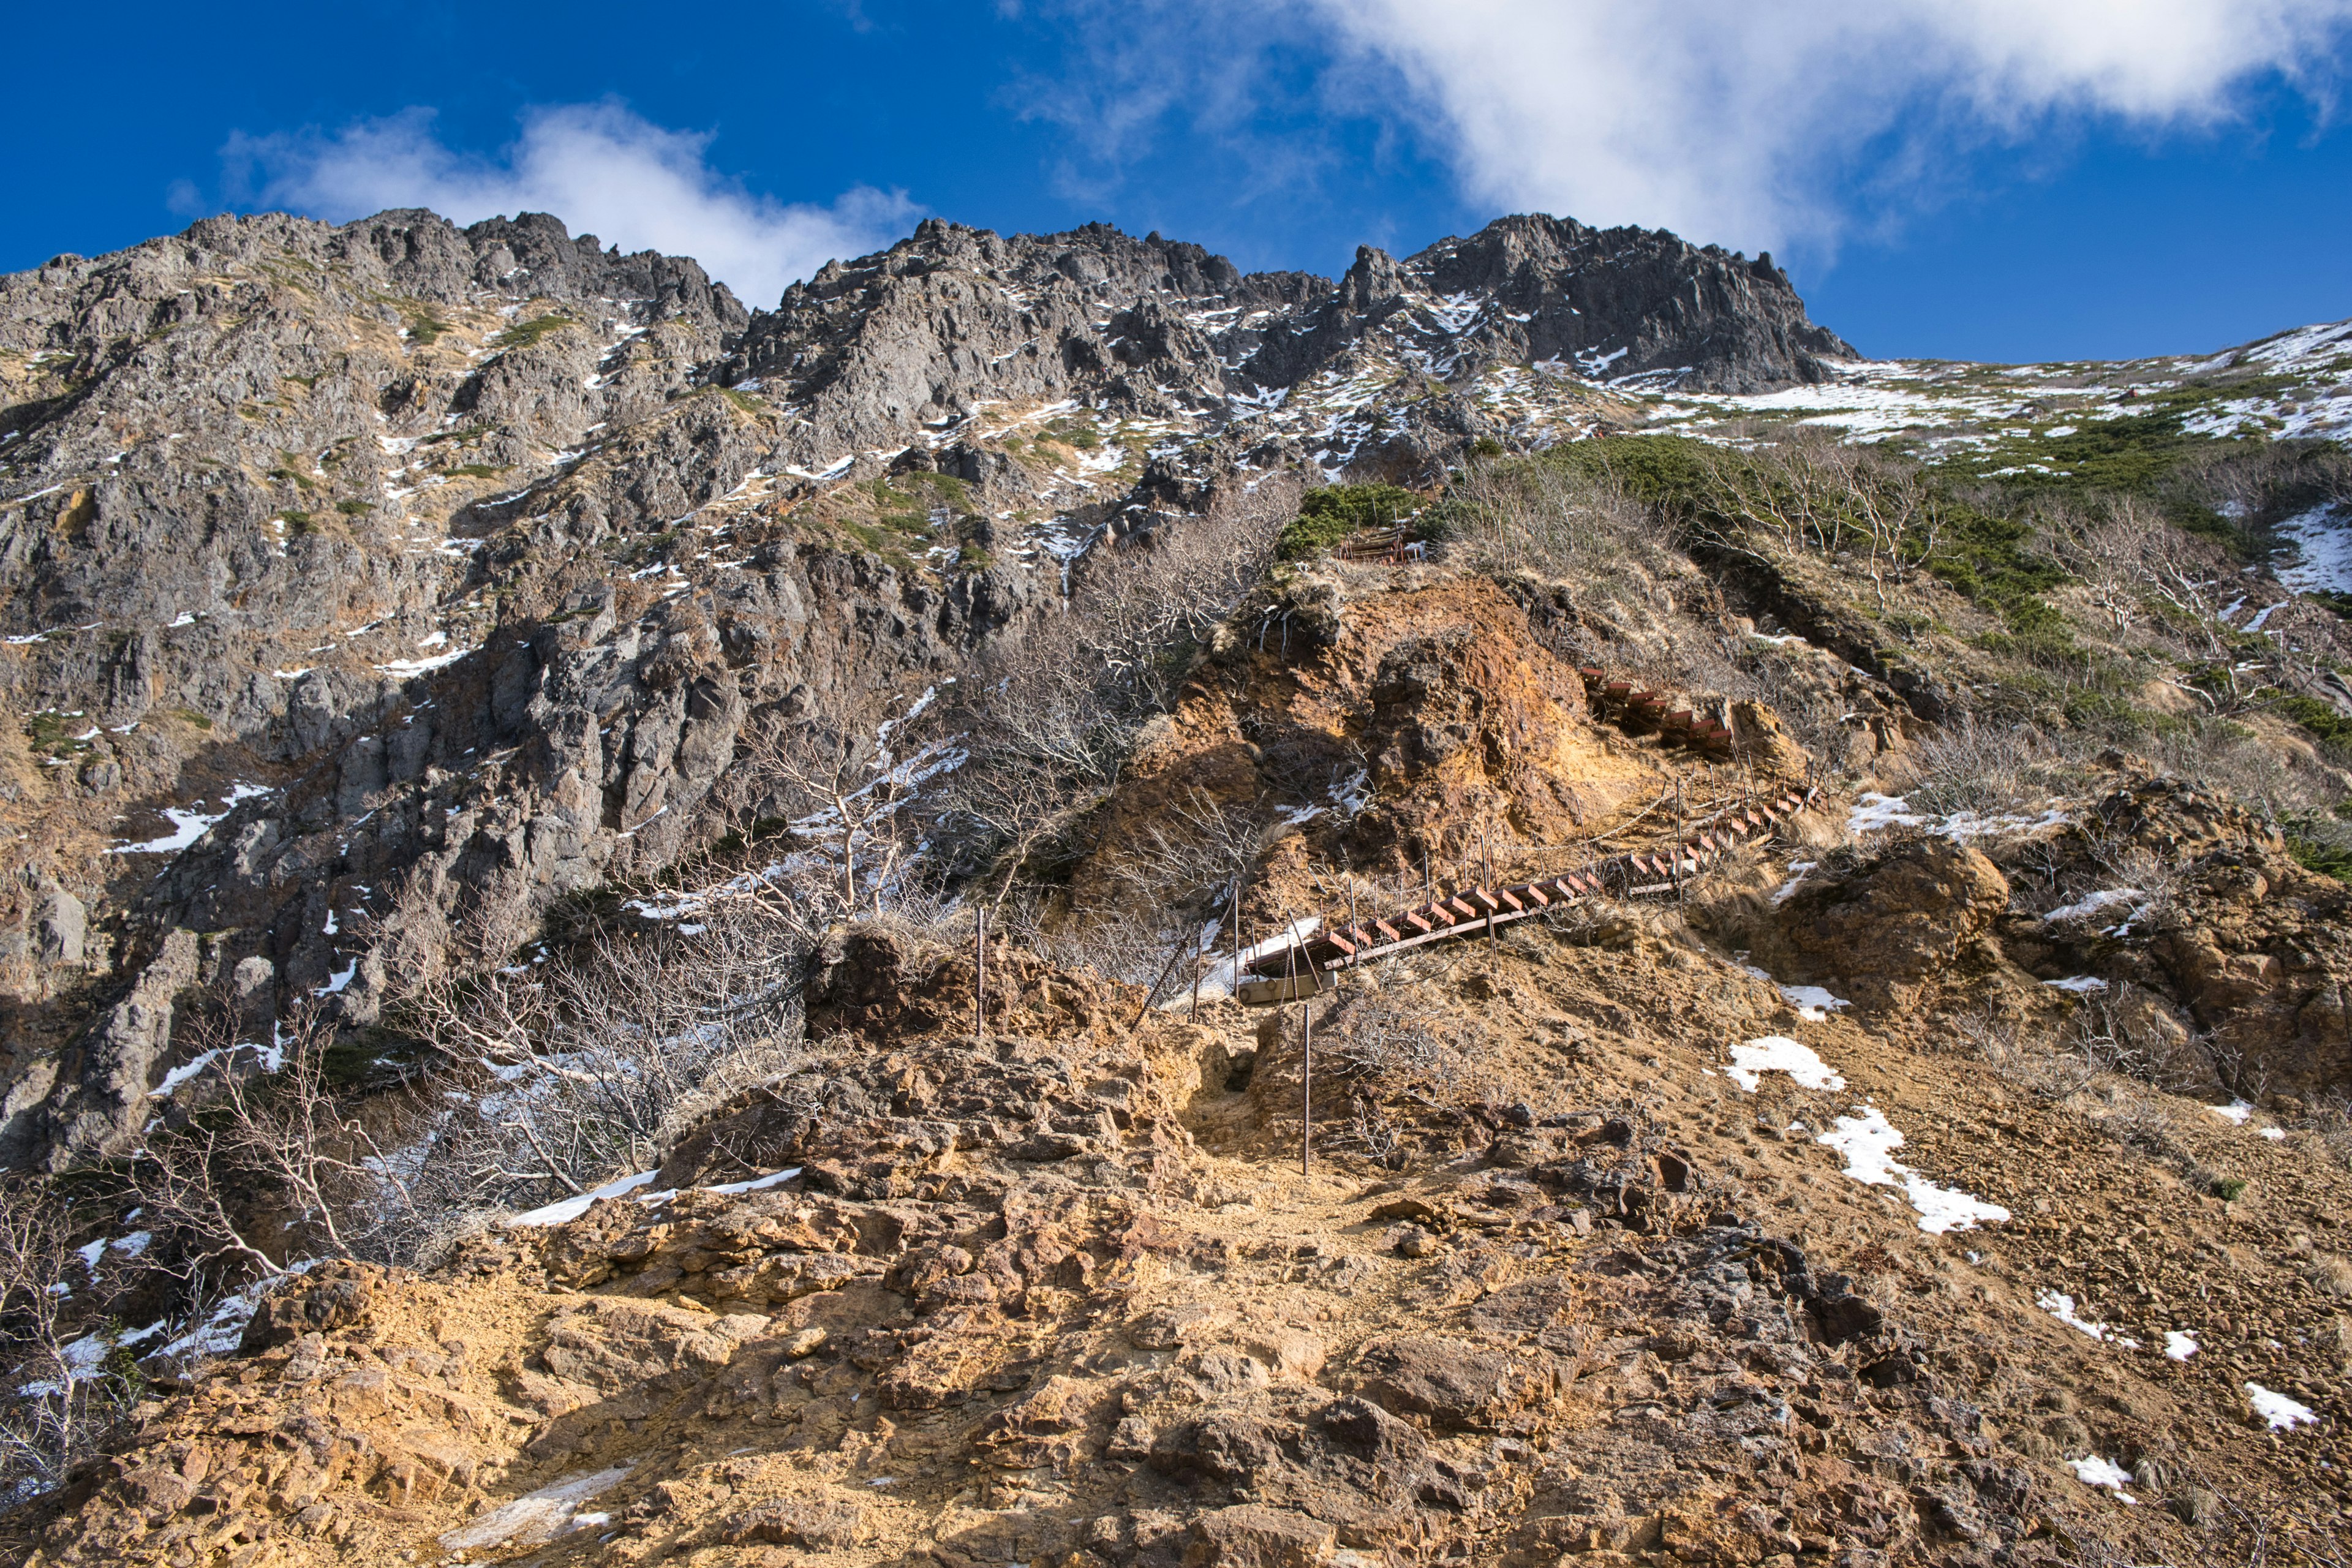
[(1307, 1090), (1681, 818), (1193, 1017), (1306, 1025), (1183, 940), (980, 976), (1236, 992), (1487, 846)]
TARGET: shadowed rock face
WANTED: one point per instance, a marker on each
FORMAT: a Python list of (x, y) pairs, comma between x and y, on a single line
[(1896, 924), (447, 565)]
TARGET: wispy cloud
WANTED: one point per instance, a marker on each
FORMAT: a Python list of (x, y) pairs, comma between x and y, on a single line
[(1754, 123), (1757, 125), (600, 168)]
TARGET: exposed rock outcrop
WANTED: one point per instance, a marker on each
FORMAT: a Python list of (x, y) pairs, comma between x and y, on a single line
[(377, 579)]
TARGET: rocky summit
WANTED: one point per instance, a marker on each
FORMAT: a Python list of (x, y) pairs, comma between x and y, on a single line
[(342, 563), (1055, 904)]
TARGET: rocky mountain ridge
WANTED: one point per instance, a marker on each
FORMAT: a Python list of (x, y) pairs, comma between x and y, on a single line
[(1950, 1172), (351, 563)]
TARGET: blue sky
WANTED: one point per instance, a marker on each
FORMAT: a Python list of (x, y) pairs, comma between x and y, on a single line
[(1989, 179)]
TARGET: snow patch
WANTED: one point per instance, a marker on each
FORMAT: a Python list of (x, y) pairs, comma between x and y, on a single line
[(536, 1517), (2061, 1306), (2282, 1413), (2092, 903), (2180, 1344), (757, 1183), (570, 1209), (1778, 1053), (1868, 1142), (2094, 1471), (189, 823)]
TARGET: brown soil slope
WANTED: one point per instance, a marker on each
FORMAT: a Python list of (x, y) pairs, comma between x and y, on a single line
[(1574, 1277)]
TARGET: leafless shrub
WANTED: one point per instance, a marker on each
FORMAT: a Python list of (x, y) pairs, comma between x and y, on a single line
[(842, 798), (1540, 518), (554, 1077), (1375, 1036), (1808, 491), (270, 1142), (1989, 768), (1051, 717), (2327, 1116), (2106, 550), (2144, 1122), (1196, 853), (2226, 757), (63, 1390), (2012, 1047)]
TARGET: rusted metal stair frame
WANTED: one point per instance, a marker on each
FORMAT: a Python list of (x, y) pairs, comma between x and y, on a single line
[(1391, 546), (1630, 707), (1296, 970)]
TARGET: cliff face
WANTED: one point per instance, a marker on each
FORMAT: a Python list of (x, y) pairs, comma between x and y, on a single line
[(362, 576)]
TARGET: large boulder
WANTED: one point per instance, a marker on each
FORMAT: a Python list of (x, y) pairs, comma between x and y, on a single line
[(1881, 931)]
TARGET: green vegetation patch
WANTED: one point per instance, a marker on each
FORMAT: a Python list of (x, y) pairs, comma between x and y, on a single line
[(2328, 856), (2130, 453), (2320, 718), (523, 334), (1328, 515), (424, 327), (56, 734), (1073, 433)]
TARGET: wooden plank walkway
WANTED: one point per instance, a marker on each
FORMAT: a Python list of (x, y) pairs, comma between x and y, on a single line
[(1299, 971)]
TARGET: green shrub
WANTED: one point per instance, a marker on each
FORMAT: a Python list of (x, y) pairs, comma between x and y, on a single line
[(2317, 855), (2320, 718), (353, 508), (523, 334), (2228, 1189), (424, 327)]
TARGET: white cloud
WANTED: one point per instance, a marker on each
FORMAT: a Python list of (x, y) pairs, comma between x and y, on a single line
[(599, 167), (1752, 124)]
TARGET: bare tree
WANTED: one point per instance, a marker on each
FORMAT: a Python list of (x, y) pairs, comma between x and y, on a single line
[(61, 1391), (2106, 553), (1052, 717), (269, 1134), (556, 1075), (843, 799)]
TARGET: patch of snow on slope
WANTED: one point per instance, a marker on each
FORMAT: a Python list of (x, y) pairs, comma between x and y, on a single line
[(189, 823), (2283, 1414), (2323, 541), (2092, 903), (2094, 1471), (1778, 1053), (2061, 1306), (1868, 1142), (535, 1517)]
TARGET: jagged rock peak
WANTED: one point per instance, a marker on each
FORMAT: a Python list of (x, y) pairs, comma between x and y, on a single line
[(72, 302)]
